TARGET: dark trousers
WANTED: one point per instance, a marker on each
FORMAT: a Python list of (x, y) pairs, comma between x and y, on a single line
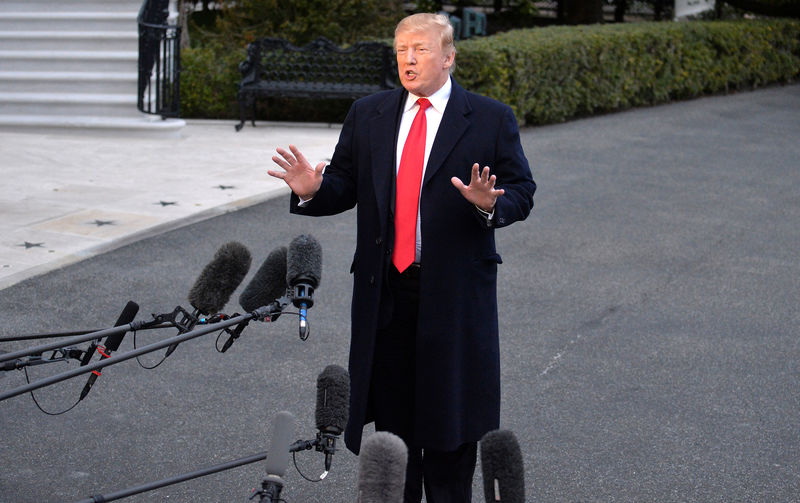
[(446, 476)]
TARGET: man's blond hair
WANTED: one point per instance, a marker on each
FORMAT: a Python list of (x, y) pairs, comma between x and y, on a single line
[(427, 21)]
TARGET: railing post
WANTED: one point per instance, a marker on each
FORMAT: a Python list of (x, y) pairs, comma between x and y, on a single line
[(159, 61)]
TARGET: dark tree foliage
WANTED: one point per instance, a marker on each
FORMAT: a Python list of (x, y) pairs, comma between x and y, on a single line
[(777, 8), (301, 21)]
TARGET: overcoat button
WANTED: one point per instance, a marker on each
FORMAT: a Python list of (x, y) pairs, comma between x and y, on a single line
[(378, 241), (372, 280)]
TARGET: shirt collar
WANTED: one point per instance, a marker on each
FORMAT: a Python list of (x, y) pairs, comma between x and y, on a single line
[(438, 99)]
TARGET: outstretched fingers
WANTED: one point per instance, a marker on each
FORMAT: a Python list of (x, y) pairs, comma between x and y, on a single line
[(481, 189)]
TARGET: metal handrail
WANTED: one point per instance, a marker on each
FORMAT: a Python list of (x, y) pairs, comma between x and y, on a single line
[(159, 61)]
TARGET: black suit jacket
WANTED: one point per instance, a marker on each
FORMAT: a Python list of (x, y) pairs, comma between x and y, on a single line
[(458, 368)]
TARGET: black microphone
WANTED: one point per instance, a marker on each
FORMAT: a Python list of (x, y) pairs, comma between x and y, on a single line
[(277, 456), (333, 409), (217, 282), (303, 272), (503, 470), (382, 469), (112, 342)]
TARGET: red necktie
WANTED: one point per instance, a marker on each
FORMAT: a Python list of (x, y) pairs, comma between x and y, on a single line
[(409, 177)]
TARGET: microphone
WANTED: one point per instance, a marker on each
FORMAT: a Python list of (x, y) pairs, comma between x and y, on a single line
[(217, 282), (382, 469), (112, 342), (503, 471), (333, 409), (220, 278), (303, 272), (277, 456), (267, 286)]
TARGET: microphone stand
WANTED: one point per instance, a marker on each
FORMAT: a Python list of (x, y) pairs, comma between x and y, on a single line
[(150, 486), (275, 308), (32, 360), (259, 313), (53, 335), (300, 445), (165, 320)]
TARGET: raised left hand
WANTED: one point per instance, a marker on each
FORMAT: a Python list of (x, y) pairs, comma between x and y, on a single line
[(480, 191)]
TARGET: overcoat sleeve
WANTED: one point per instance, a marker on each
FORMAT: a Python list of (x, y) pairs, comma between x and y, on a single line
[(339, 188)]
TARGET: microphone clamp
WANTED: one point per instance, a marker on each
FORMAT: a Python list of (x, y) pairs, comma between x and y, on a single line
[(58, 355), (325, 442), (267, 312), (270, 491), (234, 334), (186, 322)]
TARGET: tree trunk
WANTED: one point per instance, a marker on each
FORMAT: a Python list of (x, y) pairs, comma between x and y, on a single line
[(583, 11)]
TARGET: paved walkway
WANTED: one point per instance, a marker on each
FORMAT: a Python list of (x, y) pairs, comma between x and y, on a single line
[(647, 308), (70, 196)]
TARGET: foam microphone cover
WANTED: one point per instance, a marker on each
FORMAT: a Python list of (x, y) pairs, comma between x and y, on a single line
[(268, 284), (333, 399), (503, 471), (278, 453), (382, 468), (219, 278), (304, 261)]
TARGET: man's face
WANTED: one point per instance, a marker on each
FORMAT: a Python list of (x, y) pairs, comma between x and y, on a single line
[(423, 65)]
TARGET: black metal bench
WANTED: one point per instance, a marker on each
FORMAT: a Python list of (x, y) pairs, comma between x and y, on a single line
[(276, 68)]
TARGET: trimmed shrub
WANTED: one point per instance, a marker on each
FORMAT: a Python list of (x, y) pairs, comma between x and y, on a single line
[(209, 77), (553, 74)]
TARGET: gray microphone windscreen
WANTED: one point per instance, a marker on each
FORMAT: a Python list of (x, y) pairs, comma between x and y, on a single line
[(304, 261), (268, 283), (503, 470), (219, 278), (382, 468), (333, 399), (281, 439)]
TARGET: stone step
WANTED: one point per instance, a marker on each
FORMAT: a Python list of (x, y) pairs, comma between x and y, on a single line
[(71, 5), (68, 21), (68, 82), (69, 61), (69, 40), (100, 105), (141, 125)]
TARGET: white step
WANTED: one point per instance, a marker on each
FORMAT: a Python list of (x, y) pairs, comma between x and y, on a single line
[(68, 21), (68, 82), (71, 66), (101, 105), (71, 5), (69, 61), (140, 125), (69, 41)]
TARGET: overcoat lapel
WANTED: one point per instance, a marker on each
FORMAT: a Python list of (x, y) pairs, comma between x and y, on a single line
[(382, 132), (454, 124)]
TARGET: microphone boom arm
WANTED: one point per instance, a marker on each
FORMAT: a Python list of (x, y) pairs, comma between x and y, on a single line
[(206, 329)]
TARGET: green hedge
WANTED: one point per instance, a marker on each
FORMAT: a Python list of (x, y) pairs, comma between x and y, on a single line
[(553, 74), (209, 76)]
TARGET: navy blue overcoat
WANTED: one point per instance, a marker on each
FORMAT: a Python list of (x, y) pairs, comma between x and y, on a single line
[(458, 364)]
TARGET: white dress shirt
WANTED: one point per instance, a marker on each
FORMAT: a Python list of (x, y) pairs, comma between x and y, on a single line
[(433, 117)]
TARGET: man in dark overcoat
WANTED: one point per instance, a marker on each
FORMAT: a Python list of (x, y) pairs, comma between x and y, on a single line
[(424, 353)]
